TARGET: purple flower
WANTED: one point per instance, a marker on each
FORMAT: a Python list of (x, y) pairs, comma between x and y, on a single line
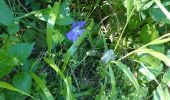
[(76, 30)]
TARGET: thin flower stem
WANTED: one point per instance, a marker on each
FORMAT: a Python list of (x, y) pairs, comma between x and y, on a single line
[(123, 30)]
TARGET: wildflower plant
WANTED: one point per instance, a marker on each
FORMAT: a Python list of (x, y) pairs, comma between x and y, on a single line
[(76, 30), (35, 62)]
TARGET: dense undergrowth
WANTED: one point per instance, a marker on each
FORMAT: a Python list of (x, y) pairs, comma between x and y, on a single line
[(84, 50)]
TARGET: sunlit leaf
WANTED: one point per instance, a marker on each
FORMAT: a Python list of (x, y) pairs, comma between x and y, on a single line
[(158, 94), (54, 14), (158, 55), (43, 87), (12, 88)]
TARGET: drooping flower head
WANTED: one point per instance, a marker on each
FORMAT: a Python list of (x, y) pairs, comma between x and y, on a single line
[(76, 30)]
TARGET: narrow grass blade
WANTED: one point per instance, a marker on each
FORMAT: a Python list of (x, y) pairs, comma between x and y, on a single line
[(42, 86), (67, 80), (156, 54), (69, 95), (54, 14), (12, 88), (158, 94), (113, 83), (55, 67), (167, 94), (75, 45), (32, 13), (146, 72), (159, 41), (129, 8), (128, 74)]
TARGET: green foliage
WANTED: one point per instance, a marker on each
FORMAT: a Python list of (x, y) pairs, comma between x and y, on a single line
[(122, 54), (148, 33), (23, 81), (7, 17), (20, 51)]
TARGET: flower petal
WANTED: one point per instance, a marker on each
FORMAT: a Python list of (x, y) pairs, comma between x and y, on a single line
[(81, 24), (80, 32), (75, 38), (70, 35), (74, 25)]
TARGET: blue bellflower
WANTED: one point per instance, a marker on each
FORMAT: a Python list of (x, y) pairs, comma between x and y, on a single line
[(76, 30)]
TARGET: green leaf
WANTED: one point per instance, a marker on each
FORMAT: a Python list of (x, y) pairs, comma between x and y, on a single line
[(54, 14), (10, 95), (153, 64), (43, 87), (148, 33), (167, 94), (158, 55), (29, 35), (2, 96), (20, 51), (6, 16), (129, 8), (160, 41), (67, 80), (166, 77), (163, 8), (146, 72), (158, 15), (128, 74), (134, 22), (113, 82), (65, 17), (6, 63), (22, 81), (158, 94), (69, 95), (13, 28), (43, 14), (149, 60), (57, 38), (159, 48), (55, 67), (148, 5), (10, 87)]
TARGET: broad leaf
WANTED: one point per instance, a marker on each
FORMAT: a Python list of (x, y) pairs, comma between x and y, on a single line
[(13, 28), (157, 55), (20, 51), (23, 81), (6, 16), (158, 14), (148, 33), (152, 64), (6, 63)]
